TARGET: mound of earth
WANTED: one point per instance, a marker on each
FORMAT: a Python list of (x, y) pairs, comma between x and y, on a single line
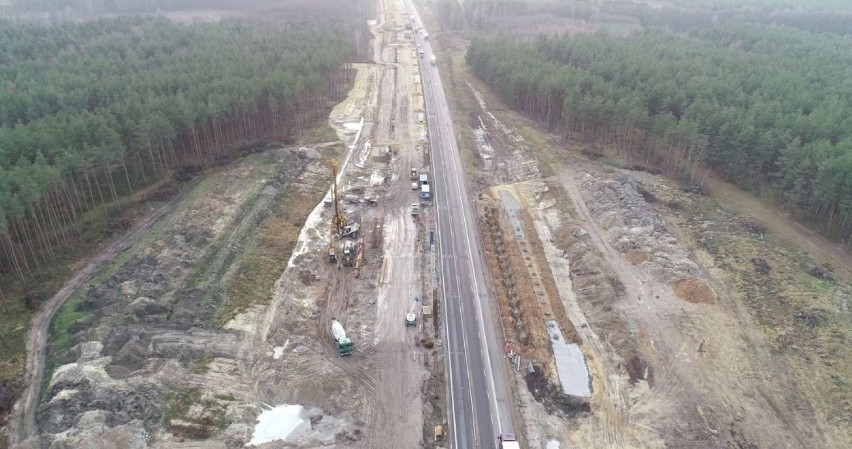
[(635, 256), (694, 290)]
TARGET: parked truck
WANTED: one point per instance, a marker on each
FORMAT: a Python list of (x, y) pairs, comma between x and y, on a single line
[(351, 230), (349, 249), (344, 344), (332, 253), (411, 316), (507, 441)]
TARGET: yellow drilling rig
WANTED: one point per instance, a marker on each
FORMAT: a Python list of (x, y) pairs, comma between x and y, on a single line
[(338, 221)]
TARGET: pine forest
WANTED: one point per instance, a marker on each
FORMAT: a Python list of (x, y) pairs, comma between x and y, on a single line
[(93, 112), (765, 107)]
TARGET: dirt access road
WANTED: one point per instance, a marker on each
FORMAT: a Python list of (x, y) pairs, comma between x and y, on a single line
[(397, 363), (400, 372), (381, 385), (22, 422)]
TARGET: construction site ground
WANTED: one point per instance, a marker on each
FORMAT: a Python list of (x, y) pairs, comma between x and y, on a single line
[(704, 321), (222, 309)]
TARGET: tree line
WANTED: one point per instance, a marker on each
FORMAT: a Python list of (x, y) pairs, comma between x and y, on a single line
[(92, 112), (346, 16), (680, 15), (765, 107)]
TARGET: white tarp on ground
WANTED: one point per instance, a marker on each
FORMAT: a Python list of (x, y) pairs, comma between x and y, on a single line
[(570, 363), (353, 127), (277, 423)]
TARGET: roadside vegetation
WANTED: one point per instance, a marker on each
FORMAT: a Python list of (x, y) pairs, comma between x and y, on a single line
[(277, 235), (523, 16), (90, 119)]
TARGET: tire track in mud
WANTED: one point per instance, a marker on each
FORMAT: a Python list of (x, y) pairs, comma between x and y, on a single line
[(397, 362), (390, 418)]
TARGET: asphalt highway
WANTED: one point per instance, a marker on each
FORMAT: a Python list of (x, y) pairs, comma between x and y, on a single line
[(478, 402)]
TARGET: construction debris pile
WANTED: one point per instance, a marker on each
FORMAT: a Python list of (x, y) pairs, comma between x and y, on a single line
[(633, 227)]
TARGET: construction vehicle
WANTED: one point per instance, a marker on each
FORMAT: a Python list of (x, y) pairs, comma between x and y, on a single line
[(411, 316), (344, 344), (338, 221), (351, 230), (332, 253), (349, 253), (507, 441), (352, 199)]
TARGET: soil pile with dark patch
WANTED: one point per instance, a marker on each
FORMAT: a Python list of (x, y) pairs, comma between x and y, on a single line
[(638, 369), (635, 256), (551, 396), (694, 290), (760, 265), (307, 277)]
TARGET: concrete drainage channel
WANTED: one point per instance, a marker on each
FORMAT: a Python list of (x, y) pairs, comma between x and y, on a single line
[(571, 367), (551, 364)]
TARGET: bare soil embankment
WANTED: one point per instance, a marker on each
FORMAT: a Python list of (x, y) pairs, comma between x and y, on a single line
[(683, 307)]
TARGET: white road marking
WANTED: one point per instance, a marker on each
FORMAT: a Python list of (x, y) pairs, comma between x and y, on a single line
[(435, 83)]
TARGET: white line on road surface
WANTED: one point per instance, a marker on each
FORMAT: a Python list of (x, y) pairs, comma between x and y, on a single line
[(447, 332), (482, 334), (460, 317), (436, 85)]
